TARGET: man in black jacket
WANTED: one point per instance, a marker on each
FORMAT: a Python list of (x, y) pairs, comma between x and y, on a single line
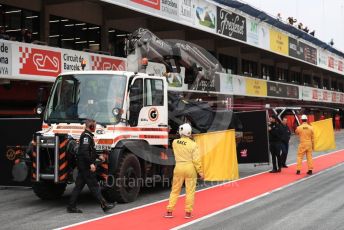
[(275, 135), (86, 158), (285, 142)]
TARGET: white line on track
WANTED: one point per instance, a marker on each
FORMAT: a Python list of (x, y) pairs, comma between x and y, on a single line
[(220, 211)]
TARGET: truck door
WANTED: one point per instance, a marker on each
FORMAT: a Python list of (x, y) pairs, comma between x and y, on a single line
[(154, 111), (136, 101), (148, 102)]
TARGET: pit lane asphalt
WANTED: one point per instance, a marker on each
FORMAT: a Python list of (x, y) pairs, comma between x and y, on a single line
[(316, 203), (21, 209)]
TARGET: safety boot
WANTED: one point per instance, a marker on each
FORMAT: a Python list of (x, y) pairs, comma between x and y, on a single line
[(188, 215), (310, 172), (107, 206), (168, 214)]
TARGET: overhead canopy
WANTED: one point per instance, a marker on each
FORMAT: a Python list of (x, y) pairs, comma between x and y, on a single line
[(276, 23)]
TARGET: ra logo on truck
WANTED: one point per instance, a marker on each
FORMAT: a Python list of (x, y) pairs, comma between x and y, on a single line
[(153, 114)]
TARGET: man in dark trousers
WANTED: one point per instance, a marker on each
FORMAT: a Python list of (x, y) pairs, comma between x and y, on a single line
[(275, 135), (86, 158), (285, 141)]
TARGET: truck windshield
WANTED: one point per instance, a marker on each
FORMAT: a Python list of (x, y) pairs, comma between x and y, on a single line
[(77, 97)]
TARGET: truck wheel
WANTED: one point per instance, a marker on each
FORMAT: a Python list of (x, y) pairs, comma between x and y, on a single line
[(48, 191), (126, 186)]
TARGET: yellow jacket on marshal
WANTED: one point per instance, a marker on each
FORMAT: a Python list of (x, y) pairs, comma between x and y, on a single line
[(186, 150)]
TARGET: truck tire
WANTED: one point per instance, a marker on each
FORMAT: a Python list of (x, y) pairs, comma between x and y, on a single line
[(48, 191), (126, 185)]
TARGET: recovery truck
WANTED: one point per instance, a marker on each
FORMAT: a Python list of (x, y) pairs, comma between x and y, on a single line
[(137, 116)]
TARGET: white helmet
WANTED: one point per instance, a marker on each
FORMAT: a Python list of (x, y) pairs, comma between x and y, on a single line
[(185, 130), (304, 117)]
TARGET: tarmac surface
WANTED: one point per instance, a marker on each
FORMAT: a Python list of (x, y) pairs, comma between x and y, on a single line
[(312, 204)]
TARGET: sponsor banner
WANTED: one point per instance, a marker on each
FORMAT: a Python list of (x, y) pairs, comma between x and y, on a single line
[(340, 65), (239, 85), (300, 50), (341, 100), (71, 60), (278, 42), (253, 146), (175, 80), (307, 93), (38, 61), (330, 62), (102, 62), (310, 53), (282, 90), (205, 15), (186, 12), (264, 36), (311, 94), (170, 8), (255, 87), (212, 85), (252, 32), (154, 4), (5, 59), (326, 96), (231, 24), (13, 146), (319, 95), (335, 97), (226, 83), (42, 63), (322, 58)]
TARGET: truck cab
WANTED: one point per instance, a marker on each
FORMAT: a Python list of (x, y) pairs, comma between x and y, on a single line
[(131, 112)]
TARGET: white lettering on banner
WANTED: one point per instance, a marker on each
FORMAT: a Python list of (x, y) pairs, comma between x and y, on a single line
[(72, 60), (5, 54), (231, 25)]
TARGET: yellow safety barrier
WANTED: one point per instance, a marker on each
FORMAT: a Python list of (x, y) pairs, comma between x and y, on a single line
[(218, 153)]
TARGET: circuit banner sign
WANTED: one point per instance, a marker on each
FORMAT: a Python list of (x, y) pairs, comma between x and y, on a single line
[(5, 59), (42, 62)]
